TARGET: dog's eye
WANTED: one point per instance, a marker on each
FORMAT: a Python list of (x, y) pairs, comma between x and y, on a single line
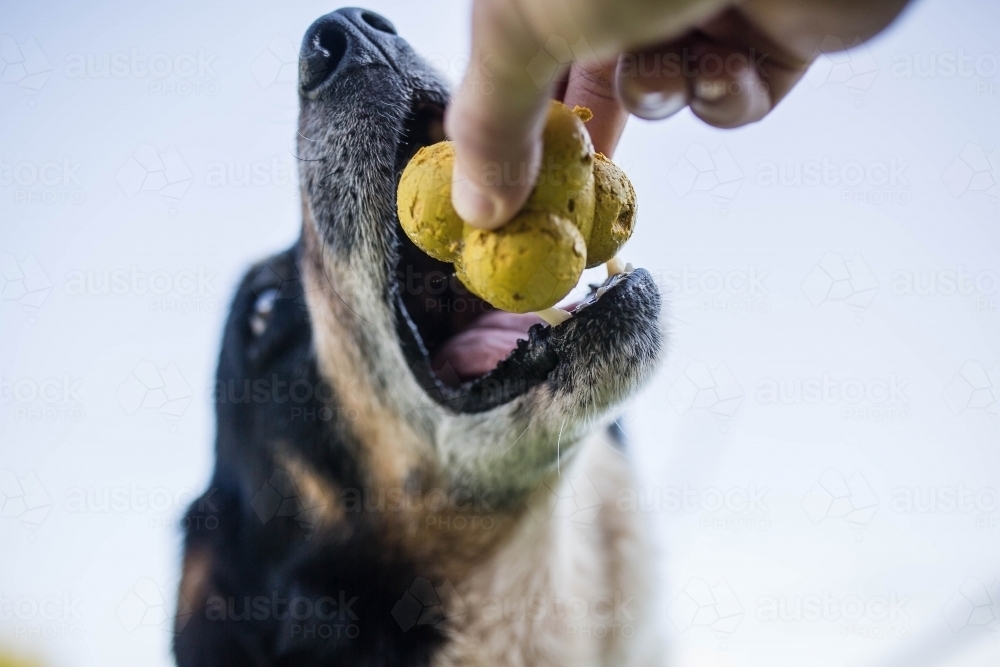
[(262, 310)]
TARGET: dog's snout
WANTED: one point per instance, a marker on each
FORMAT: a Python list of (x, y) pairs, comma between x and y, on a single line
[(346, 35)]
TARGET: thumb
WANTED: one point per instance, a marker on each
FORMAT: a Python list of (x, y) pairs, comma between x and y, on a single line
[(497, 115)]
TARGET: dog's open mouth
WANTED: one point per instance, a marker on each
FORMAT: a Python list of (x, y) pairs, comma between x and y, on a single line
[(466, 353)]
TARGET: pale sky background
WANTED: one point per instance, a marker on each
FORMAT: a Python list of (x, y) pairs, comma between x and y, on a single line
[(873, 277)]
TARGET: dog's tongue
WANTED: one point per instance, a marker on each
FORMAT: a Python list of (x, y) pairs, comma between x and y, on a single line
[(480, 347)]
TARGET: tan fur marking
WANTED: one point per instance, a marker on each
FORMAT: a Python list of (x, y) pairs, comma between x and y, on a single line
[(195, 586), (319, 497), (395, 457), (390, 446), (196, 575)]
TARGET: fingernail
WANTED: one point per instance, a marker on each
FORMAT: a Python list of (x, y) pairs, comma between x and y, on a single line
[(656, 105), (710, 90), (651, 104), (475, 206)]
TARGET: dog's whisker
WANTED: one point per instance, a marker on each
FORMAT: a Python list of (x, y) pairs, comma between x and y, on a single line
[(558, 449), (304, 136), (333, 287), (516, 439), (302, 159)]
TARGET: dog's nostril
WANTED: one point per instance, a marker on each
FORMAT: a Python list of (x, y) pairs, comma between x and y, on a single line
[(326, 49), (378, 22)]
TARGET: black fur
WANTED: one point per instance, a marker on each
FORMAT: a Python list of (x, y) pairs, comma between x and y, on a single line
[(261, 554)]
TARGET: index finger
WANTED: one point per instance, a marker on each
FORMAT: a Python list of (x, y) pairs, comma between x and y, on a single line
[(496, 116)]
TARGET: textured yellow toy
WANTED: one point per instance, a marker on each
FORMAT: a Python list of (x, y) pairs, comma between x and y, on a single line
[(580, 213)]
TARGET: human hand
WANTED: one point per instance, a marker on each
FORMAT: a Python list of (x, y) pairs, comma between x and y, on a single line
[(731, 62)]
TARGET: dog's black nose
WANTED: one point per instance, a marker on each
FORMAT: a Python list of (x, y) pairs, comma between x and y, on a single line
[(337, 39)]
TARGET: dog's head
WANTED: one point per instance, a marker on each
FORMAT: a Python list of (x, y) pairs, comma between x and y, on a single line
[(435, 379)]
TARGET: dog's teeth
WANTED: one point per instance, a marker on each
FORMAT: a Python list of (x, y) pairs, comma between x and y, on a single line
[(615, 266), (554, 316), (600, 293), (629, 268)]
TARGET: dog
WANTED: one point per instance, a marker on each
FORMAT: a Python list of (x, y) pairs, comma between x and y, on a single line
[(405, 475)]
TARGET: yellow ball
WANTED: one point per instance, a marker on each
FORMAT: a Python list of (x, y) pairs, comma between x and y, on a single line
[(614, 213), (565, 184), (527, 265), (423, 202), (580, 212)]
